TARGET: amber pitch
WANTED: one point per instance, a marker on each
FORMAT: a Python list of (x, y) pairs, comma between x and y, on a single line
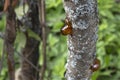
[(66, 30), (96, 65)]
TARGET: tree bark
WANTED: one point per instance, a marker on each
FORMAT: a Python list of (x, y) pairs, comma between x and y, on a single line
[(10, 35), (83, 15), (31, 50)]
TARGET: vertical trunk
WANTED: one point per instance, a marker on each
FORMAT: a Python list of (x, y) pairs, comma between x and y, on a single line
[(82, 42), (31, 50), (10, 35)]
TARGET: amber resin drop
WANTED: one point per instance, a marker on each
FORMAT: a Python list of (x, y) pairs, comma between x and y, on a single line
[(66, 30), (96, 65)]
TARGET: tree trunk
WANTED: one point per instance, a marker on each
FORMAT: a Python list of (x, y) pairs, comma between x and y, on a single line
[(31, 50), (82, 42), (10, 35)]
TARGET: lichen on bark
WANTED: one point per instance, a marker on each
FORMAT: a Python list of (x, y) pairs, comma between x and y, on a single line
[(83, 15)]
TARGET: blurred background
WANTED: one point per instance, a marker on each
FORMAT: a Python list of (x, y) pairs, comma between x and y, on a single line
[(108, 45)]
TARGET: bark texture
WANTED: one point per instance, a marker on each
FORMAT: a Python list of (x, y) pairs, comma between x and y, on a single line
[(31, 50), (83, 15), (10, 35)]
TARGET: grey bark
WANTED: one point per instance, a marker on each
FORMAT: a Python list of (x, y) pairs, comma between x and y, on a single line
[(83, 15)]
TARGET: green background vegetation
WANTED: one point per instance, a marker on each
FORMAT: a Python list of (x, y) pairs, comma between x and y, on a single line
[(108, 45)]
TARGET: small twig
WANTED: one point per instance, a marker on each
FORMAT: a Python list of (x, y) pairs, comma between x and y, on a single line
[(28, 61), (42, 21), (23, 3)]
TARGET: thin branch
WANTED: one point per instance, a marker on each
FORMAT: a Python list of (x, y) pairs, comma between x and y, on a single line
[(42, 21), (28, 61)]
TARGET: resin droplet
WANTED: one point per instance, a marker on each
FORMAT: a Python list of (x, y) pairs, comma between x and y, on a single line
[(96, 65), (66, 30)]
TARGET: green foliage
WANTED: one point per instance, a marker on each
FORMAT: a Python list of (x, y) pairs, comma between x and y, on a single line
[(108, 50), (108, 45)]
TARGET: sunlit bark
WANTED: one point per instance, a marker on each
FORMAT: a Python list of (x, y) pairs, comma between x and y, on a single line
[(82, 42)]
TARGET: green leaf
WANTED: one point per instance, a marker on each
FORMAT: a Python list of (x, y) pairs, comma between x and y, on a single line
[(33, 34), (53, 40)]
